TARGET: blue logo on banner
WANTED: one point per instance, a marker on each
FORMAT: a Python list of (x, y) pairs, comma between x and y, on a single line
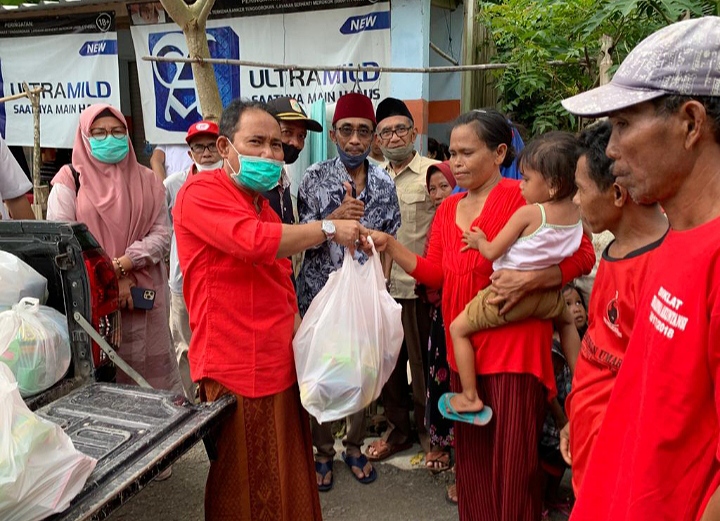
[(176, 104), (99, 47), (366, 22)]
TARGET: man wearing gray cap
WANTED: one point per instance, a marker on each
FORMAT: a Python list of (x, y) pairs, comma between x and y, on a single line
[(656, 456)]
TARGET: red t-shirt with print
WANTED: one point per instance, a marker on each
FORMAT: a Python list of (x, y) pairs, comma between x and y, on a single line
[(656, 457), (615, 297)]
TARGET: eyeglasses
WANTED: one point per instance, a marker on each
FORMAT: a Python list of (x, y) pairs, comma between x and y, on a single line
[(199, 148), (101, 133), (387, 133), (348, 131)]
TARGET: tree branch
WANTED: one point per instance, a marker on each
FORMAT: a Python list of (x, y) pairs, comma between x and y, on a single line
[(201, 10), (178, 11)]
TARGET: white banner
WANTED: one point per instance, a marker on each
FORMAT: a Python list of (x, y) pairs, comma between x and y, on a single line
[(74, 60), (353, 36)]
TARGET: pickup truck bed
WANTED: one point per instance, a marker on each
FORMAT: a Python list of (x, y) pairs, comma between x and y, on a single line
[(135, 433)]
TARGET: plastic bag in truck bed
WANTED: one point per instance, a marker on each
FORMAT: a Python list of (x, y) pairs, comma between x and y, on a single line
[(41, 471), (18, 280), (34, 344)]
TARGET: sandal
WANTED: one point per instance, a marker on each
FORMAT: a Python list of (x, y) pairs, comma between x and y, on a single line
[(480, 418), (437, 461), (359, 462), (383, 449), (324, 468)]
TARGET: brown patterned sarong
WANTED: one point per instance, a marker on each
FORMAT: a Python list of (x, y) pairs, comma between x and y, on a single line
[(264, 469)]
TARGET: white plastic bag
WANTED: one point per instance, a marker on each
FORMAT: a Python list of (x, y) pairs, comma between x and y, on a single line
[(40, 470), (34, 344), (18, 280), (349, 341)]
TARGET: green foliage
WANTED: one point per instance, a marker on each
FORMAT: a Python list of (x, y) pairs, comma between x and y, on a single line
[(531, 33)]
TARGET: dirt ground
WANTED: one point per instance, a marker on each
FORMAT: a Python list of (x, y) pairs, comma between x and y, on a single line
[(404, 491)]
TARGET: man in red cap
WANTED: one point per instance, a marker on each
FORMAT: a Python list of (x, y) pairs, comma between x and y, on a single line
[(201, 138), (346, 187)]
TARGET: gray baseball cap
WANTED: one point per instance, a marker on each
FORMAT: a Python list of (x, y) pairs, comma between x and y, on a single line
[(682, 58)]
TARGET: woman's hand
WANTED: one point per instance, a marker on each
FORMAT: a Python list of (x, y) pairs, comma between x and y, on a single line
[(125, 298), (511, 286), (380, 240), (472, 238), (565, 444), (126, 264)]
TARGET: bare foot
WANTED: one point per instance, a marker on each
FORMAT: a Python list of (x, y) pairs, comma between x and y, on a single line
[(451, 494), (461, 403)]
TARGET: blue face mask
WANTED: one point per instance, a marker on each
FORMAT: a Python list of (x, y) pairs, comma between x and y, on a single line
[(352, 162), (109, 150), (258, 174)]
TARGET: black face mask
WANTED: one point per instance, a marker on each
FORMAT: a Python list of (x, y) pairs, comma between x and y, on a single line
[(291, 153)]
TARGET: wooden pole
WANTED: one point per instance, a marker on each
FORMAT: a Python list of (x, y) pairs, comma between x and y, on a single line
[(40, 192), (344, 68), (19, 95)]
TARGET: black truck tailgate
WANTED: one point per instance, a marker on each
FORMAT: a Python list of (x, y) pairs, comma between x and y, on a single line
[(134, 433)]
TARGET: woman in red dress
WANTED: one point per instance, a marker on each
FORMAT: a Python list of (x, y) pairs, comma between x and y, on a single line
[(497, 465)]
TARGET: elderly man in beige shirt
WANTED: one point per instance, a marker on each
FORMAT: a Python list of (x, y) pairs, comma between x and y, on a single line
[(396, 133)]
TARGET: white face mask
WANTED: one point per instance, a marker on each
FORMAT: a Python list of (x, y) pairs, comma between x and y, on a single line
[(214, 166)]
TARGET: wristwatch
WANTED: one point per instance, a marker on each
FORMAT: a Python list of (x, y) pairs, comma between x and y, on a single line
[(328, 228)]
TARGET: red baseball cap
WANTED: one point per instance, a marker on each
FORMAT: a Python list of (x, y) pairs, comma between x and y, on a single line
[(202, 128)]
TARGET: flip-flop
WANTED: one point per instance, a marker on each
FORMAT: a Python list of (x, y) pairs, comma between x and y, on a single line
[(359, 462), (480, 418), (323, 468), (392, 448)]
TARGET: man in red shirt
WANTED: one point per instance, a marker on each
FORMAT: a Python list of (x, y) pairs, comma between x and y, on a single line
[(233, 252), (656, 456), (638, 230)]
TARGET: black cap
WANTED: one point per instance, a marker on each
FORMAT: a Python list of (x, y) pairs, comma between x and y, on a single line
[(288, 109), (392, 107)]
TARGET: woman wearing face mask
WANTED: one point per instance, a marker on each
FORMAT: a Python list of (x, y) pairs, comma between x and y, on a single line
[(123, 205)]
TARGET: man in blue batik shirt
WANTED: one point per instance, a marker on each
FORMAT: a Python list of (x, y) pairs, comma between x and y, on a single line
[(347, 187)]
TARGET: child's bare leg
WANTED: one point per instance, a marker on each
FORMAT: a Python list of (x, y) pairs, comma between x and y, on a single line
[(569, 337), (460, 332)]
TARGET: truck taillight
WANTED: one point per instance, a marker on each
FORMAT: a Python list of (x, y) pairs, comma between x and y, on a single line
[(104, 301)]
